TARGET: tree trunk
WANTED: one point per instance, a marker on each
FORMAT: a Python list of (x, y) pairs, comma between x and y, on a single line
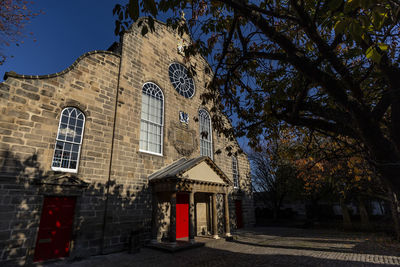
[(395, 207), (275, 211), (365, 224), (275, 214), (345, 214), (314, 214), (387, 160), (381, 208)]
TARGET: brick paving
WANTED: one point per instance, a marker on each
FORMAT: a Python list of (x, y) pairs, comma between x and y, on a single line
[(262, 247)]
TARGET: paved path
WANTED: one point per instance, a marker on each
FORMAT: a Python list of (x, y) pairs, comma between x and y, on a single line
[(263, 247)]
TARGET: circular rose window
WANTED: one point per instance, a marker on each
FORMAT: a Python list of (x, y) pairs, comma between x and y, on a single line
[(181, 80)]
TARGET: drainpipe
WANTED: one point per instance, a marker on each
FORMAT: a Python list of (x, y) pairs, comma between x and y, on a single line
[(111, 155)]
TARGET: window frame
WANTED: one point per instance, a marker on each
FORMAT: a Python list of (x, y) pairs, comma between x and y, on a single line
[(210, 133), (69, 170), (150, 122), (176, 89), (235, 173)]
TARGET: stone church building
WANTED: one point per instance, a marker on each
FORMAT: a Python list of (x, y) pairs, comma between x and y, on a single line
[(117, 144)]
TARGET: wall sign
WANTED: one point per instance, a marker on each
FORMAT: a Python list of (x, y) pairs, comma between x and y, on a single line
[(183, 139)]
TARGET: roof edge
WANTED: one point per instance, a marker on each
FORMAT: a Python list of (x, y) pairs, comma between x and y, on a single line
[(151, 176), (212, 165), (144, 18), (13, 74), (185, 165)]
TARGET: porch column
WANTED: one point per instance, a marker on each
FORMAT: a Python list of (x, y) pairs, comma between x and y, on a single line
[(191, 217), (227, 224), (172, 219), (154, 227), (214, 216)]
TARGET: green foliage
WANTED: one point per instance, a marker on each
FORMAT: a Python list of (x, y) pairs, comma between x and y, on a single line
[(331, 66)]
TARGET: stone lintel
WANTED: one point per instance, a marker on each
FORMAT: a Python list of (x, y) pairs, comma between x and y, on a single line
[(187, 185)]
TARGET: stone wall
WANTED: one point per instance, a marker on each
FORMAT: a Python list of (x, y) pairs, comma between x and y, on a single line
[(146, 59), (30, 109)]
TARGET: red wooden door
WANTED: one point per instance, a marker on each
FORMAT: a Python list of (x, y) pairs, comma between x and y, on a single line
[(182, 215), (55, 228), (239, 216)]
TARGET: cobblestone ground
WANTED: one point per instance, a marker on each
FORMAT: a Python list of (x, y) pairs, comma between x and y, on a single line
[(263, 247)]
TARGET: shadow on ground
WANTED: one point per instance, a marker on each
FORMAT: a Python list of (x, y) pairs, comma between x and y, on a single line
[(210, 257), (320, 240), (248, 249)]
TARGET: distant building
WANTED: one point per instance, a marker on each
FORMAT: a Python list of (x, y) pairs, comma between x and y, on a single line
[(117, 143)]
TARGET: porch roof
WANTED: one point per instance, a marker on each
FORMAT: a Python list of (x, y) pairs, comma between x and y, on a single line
[(186, 169)]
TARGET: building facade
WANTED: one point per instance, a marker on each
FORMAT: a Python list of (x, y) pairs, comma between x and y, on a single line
[(117, 143)]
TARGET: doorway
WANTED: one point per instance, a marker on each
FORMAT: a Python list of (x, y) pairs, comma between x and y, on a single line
[(55, 228), (239, 214), (182, 215)]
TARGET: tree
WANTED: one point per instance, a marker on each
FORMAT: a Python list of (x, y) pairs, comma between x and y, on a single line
[(14, 14), (306, 165), (274, 173), (331, 66), (330, 166)]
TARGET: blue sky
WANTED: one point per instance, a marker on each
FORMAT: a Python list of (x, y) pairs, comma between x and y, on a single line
[(66, 30)]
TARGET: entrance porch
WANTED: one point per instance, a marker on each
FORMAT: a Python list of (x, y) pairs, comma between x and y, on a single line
[(185, 201)]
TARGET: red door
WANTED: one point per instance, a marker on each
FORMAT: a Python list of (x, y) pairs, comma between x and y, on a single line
[(182, 215), (239, 217), (55, 228)]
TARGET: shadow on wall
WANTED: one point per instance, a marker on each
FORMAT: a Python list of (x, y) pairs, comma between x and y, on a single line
[(24, 186), (221, 215)]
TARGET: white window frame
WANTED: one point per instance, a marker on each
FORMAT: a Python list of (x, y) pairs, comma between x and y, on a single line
[(210, 141), (235, 172), (61, 169), (154, 123), (179, 90)]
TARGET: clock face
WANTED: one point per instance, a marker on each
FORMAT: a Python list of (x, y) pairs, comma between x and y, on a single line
[(181, 80)]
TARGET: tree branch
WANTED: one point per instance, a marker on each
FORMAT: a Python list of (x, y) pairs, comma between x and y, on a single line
[(325, 49)]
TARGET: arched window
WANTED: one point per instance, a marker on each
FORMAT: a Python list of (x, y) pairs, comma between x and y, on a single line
[(235, 172), (69, 140), (205, 134), (151, 126)]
